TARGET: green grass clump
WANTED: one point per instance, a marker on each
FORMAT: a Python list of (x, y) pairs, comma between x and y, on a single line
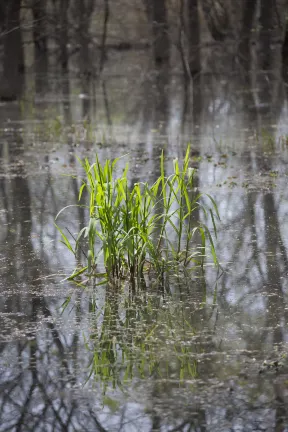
[(141, 228)]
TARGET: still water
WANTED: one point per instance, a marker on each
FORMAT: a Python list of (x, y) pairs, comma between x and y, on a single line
[(211, 354)]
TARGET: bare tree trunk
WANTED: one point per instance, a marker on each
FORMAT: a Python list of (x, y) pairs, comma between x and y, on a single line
[(161, 40), (104, 35), (11, 85), (266, 21), (2, 16), (269, 62), (245, 35), (40, 42), (194, 38), (217, 15), (285, 51), (61, 26), (285, 42), (64, 58), (148, 8), (83, 12)]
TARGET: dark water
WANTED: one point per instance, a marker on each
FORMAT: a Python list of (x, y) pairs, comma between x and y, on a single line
[(211, 355)]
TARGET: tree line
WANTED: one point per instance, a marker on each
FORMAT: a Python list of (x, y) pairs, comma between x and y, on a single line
[(66, 28)]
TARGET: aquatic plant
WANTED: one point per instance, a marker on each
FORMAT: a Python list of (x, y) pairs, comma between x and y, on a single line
[(143, 228)]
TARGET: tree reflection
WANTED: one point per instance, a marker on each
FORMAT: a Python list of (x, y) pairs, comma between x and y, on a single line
[(33, 395), (185, 363)]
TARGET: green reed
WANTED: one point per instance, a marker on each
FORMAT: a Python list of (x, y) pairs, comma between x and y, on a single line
[(143, 228)]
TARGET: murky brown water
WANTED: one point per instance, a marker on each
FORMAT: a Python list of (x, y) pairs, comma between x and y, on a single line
[(186, 361)]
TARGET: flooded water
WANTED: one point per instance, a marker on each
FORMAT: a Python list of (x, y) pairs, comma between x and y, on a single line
[(211, 354)]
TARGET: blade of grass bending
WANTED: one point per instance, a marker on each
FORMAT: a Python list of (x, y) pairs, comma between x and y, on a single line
[(77, 241), (163, 178), (215, 259), (65, 304), (213, 221), (83, 230), (81, 190), (90, 261), (214, 205), (71, 205), (65, 240), (187, 199), (202, 207), (168, 217), (81, 162), (215, 294), (186, 159), (114, 162), (76, 273), (203, 238)]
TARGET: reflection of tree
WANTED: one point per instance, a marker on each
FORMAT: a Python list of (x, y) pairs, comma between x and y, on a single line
[(35, 385), (254, 289), (252, 298)]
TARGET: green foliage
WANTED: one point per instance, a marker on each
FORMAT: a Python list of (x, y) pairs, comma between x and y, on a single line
[(142, 228)]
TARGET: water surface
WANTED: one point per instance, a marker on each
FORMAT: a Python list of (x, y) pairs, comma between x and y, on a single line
[(209, 355)]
